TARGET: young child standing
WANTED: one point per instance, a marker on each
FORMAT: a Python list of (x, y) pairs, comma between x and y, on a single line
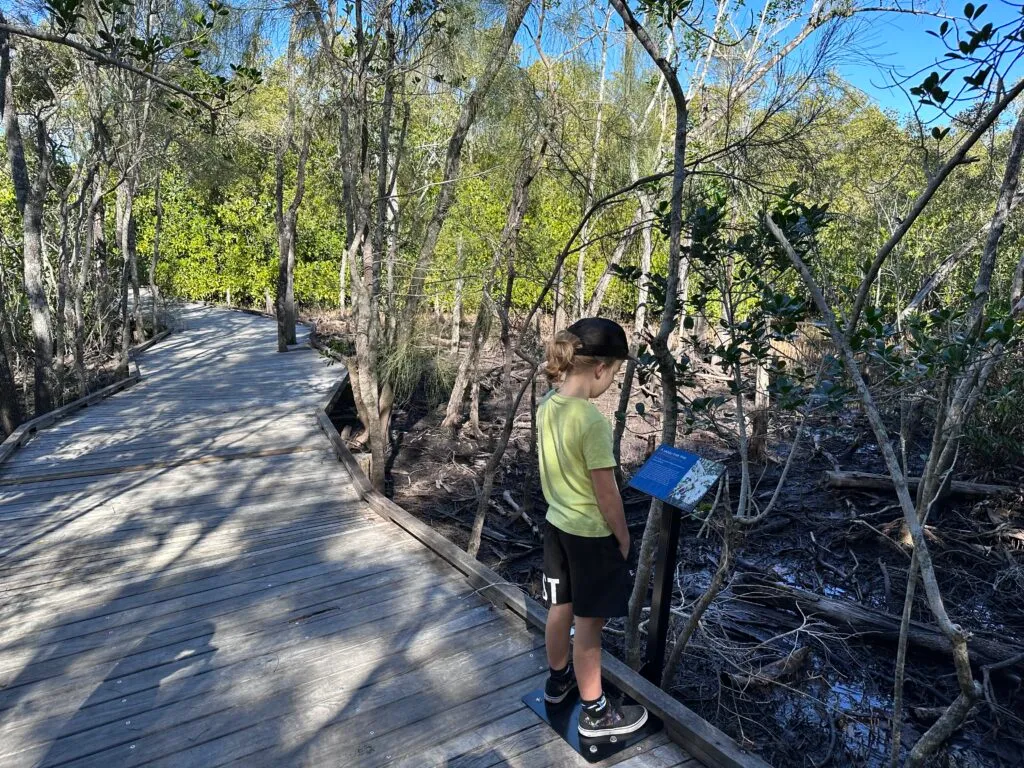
[(586, 541)]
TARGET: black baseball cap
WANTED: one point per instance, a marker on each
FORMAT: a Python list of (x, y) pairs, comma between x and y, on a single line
[(600, 337)]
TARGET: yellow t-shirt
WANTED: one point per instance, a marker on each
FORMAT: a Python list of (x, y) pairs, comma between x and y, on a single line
[(573, 438)]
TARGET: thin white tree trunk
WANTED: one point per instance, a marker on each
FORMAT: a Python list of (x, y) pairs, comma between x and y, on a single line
[(595, 150), (460, 282)]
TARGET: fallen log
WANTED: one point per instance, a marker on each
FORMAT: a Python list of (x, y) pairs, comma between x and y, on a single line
[(777, 671), (866, 481), (867, 622)]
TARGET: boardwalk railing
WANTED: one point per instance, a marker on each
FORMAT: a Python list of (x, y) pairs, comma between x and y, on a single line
[(24, 432)]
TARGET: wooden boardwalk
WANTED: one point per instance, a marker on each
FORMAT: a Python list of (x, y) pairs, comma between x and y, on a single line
[(188, 577)]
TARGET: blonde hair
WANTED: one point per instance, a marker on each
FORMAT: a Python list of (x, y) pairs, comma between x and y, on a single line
[(562, 357)]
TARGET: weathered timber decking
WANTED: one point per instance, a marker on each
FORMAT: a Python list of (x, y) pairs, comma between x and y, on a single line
[(188, 577)]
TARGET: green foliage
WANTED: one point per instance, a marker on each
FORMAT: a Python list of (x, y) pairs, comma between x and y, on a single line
[(995, 437), (418, 371)]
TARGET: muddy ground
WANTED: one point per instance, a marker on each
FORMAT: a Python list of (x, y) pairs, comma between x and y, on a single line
[(831, 703)]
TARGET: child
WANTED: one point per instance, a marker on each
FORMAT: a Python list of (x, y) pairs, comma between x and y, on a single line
[(586, 541)]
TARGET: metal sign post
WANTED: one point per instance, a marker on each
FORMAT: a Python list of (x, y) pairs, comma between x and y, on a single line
[(680, 480), (661, 599)]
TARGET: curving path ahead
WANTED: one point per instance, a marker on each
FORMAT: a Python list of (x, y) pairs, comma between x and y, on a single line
[(189, 578)]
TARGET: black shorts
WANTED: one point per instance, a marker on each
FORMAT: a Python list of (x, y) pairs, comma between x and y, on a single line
[(586, 571)]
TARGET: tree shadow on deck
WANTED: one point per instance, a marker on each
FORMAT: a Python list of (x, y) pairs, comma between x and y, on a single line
[(215, 613)]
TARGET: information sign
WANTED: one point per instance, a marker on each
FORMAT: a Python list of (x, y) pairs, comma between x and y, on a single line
[(677, 477)]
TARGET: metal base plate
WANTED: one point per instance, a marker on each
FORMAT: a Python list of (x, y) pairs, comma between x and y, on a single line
[(564, 719)]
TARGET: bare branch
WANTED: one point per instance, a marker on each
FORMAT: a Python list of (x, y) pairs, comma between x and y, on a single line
[(102, 58)]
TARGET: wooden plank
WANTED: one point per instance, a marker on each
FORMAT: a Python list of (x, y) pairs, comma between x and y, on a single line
[(119, 614), (26, 431), (93, 554), (127, 580), (59, 697), (267, 669), (46, 457), (99, 516), (102, 522), (465, 705), (324, 674), (451, 749), (241, 637), (503, 750), (226, 455), (343, 732), (195, 479), (72, 621), (160, 561), (151, 569), (127, 506), (557, 754), (118, 443)]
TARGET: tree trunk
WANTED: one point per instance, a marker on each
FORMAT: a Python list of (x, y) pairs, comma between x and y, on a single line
[(446, 194), (286, 218), (103, 308), (10, 402), (363, 367), (639, 325), (122, 365), (123, 216), (84, 269), (865, 622), (468, 364), (625, 240), (896, 733), (490, 471), (868, 481), (138, 325), (506, 246), (460, 282), (581, 263), (659, 346), (29, 198), (157, 226), (65, 258), (342, 280), (759, 418)]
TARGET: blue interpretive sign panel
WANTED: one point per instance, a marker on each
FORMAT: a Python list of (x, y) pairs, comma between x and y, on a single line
[(677, 477)]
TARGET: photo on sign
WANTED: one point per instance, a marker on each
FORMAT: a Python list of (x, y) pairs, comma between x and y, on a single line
[(697, 482)]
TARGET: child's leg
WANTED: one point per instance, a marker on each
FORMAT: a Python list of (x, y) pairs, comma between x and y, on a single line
[(556, 635), (586, 657)]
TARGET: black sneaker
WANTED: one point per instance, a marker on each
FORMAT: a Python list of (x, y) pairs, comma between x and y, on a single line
[(616, 720), (556, 690)]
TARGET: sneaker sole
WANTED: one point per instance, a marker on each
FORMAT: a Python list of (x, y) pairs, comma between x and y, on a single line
[(614, 731), (560, 699)]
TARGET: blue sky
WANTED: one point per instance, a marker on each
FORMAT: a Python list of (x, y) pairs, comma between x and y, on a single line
[(886, 45), (901, 42)]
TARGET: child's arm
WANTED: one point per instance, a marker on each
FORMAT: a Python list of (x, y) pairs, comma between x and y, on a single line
[(610, 503)]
